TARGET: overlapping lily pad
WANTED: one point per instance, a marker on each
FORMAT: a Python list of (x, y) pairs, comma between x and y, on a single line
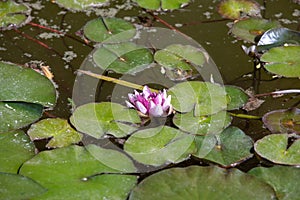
[(249, 29), (161, 4), (236, 97), (109, 30), (98, 119), (203, 98), (72, 173), (15, 149), (197, 182), (284, 61), (124, 58), (13, 15), (277, 149), (282, 178), (160, 145), (79, 5), (16, 187), (59, 130)]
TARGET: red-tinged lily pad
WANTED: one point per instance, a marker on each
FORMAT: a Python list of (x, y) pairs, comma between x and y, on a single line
[(162, 4), (59, 130), (277, 148), (79, 5), (283, 121), (233, 9)]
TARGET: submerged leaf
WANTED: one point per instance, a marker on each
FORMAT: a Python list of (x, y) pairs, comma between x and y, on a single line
[(79, 5), (236, 97), (161, 4)]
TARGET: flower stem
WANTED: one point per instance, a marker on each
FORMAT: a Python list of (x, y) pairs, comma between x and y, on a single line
[(278, 92), (245, 116)]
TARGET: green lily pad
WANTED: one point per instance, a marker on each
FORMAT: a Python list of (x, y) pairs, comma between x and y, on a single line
[(98, 119), (79, 5), (233, 9), (25, 85), (13, 15), (72, 173), (16, 187), (112, 158), (160, 145), (284, 61), (15, 115), (237, 98), (203, 98), (282, 178), (179, 56), (109, 30), (202, 125), (249, 29), (59, 130), (275, 148), (283, 121), (15, 149), (162, 4), (197, 182), (123, 58), (227, 148)]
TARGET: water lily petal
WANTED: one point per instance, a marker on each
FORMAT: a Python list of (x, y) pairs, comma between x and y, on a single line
[(141, 107), (131, 98), (156, 111), (129, 105), (167, 103), (158, 100)]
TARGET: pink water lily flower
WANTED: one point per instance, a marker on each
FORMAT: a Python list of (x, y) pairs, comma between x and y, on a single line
[(151, 103)]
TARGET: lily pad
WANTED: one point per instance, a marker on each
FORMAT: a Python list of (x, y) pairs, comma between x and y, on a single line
[(59, 130), (160, 145), (202, 125), (197, 182), (282, 178), (72, 173), (283, 121), (203, 98), (79, 5), (124, 58), (278, 37), (275, 148), (162, 4), (15, 149), (15, 115), (229, 147), (284, 61), (13, 15), (233, 9), (249, 29), (237, 98), (109, 30), (25, 85), (98, 119), (16, 187), (179, 56)]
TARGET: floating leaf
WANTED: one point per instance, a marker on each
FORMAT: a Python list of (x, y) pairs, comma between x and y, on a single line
[(202, 125), (59, 130), (249, 29), (161, 4), (97, 119), (16, 187), (232, 9), (282, 178), (236, 97), (79, 5), (197, 182), (284, 61), (26, 85), (203, 98), (229, 148), (275, 148), (15, 115), (72, 173), (109, 30), (13, 15), (15, 149), (283, 121), (112, 158), (123, 58), (160, 145)]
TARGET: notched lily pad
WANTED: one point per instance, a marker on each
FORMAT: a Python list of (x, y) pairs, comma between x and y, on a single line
[(98, 119), (80, 5), (59, 130), (277, 148), (284, 61), (162, 4), (13, 15), (236, 9), (237, 98)]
